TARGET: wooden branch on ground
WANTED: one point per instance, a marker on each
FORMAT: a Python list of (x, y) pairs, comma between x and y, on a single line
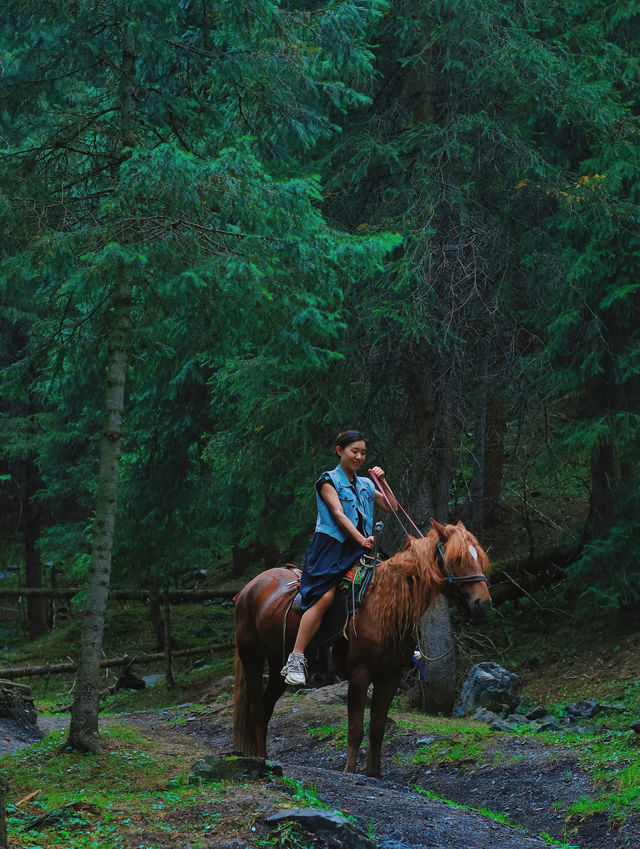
[(173, 596), (520, 578), (58, 668)]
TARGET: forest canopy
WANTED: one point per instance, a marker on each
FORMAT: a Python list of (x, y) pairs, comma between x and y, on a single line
[(416, 218)]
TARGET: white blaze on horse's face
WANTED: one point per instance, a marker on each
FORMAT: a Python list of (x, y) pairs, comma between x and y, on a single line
[(473, 552)]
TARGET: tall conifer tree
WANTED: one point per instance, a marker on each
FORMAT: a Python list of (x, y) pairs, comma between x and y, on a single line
[(161, 166)]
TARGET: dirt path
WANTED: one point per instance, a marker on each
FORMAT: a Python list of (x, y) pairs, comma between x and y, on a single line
[(524, 780), (530, 783)]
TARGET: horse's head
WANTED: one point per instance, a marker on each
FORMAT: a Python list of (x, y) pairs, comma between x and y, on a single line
[(464, 566)]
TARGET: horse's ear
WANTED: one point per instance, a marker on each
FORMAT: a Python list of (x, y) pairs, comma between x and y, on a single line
[(459, 524), (442, 532)]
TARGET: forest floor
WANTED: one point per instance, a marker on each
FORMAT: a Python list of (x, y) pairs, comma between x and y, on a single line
[(446, 782), (504, 791), (523, 784)]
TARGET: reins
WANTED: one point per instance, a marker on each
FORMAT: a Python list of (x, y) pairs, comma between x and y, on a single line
[(384, 488), (449, 577)]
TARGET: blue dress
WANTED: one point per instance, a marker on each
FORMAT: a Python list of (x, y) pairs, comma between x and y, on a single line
[(327, 558), (326, 561)]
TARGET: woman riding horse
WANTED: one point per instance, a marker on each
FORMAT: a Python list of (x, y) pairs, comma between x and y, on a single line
[(343, 533), (381, 635)]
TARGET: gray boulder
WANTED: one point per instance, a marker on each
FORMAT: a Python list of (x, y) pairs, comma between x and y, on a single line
[(231, 767), (331, 829), (584, 708), (491, 686)]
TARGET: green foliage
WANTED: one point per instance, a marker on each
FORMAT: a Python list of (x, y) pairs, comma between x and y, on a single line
[(245, 165), (203, 199), (605, 575)]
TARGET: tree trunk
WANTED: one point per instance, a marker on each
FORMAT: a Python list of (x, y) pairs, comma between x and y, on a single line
[(479, 448), (155, 615), (83, 729), (3, 821), (36, 615), (431, 432), (602, 486), (169, 680), (493, 458)]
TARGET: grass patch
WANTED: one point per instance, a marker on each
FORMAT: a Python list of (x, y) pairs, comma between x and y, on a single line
[(135, 794), (613, 760), (128, 629), (453, 741), (335, 734)]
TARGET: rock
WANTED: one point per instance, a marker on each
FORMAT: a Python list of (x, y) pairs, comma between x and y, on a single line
[(636, 727), (333, 830), (536, 713), (16, 705), (491, 686), (584, 708), (152, 680), (545, 723), (222, 685), (499, 724), (484, 715), (231, 767), (332, 694)]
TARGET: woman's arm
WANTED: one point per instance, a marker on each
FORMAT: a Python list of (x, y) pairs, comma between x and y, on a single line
[(389, 502), (331, 499)]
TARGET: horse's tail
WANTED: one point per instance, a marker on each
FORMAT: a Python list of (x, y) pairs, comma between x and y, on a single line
[(244, 733)]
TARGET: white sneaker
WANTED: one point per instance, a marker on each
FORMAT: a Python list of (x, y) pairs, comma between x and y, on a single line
[(295, 669)]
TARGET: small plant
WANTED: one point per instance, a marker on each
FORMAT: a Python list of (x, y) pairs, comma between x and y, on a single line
[(289, 835)]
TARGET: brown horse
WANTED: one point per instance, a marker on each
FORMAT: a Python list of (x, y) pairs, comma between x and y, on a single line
[(381, 636)]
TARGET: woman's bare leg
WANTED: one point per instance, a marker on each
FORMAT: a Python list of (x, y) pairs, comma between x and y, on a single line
[(311, 619)]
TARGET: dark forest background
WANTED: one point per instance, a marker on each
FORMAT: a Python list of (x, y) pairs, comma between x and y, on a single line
[(246, 226)]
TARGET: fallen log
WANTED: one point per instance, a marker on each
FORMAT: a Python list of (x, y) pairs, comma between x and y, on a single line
[(172, 596), (525, 577), (59, 668)]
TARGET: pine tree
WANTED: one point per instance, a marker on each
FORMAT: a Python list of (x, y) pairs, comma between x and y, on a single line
[(155, 172)]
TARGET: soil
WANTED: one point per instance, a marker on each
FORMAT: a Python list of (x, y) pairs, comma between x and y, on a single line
[(531, 784), (523, 779)]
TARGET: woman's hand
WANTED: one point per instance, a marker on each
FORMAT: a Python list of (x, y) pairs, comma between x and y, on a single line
[(368, 543), (385, 500)]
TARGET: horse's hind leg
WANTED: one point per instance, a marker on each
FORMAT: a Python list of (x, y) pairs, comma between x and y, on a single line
[(384, 690), (359, 679), (247, 701), (274, 689)]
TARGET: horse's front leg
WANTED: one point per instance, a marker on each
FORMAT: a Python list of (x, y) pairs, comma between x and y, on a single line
[(384, 689), (359, 680)]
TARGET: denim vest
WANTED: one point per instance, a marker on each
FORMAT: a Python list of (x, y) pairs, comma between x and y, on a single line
[(357, 502)]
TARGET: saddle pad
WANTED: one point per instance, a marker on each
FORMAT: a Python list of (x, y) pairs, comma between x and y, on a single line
[(353, 576)]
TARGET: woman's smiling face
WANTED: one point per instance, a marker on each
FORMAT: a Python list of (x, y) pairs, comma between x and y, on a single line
[(352, 456)]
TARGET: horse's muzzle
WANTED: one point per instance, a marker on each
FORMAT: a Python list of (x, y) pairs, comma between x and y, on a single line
[(477, 608)]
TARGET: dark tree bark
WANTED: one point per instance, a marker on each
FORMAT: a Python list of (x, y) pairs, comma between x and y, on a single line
[(83, 728), (477, 487), (36, 608), (170, 682), (602, 486), (3, 821), (432, 461), (494, 458)]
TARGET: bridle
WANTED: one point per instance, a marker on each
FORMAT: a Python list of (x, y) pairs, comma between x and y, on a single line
[(449, 578), (453, 580)]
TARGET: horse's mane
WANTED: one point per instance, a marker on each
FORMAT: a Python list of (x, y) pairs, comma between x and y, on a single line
[(407, 583)]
